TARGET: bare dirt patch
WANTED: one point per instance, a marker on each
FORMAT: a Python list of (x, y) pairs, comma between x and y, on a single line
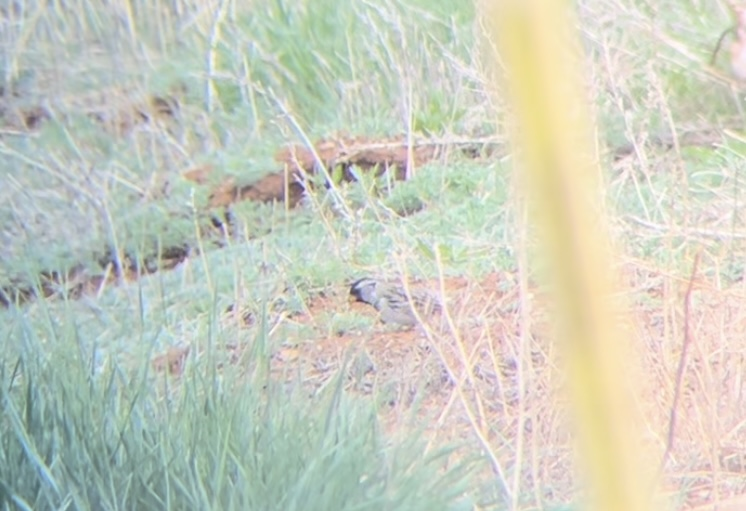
[(466, 379), (79, 281), (117, 110), (489, 382), (340, 158)]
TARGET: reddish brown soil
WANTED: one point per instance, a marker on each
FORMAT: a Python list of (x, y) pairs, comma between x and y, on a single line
[(466, 381), (337, 157)]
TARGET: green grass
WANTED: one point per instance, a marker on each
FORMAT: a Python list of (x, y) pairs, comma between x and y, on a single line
[(318, 65), (87, 424), (80, 434)]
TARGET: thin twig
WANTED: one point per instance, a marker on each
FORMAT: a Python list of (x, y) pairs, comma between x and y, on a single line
[(684, 231), (682, 365), (715, 52)]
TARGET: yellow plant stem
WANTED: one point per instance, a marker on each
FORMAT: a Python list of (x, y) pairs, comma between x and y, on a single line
[(539, 51)]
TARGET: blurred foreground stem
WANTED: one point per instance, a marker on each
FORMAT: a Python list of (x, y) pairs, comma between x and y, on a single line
[(541, 57)]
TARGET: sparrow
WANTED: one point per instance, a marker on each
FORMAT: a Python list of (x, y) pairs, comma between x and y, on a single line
[(391, 301)]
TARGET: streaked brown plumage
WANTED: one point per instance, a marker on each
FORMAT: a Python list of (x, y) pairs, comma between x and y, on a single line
[(391, 301)]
